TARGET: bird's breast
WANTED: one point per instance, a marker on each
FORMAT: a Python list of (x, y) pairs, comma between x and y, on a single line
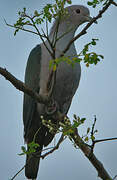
[(67, 77)]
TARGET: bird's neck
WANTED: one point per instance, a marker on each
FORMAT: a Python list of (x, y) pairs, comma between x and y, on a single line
[(64, 35)]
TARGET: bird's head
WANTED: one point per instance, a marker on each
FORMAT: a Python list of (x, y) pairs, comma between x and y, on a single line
[(72, 18), (76, 15)]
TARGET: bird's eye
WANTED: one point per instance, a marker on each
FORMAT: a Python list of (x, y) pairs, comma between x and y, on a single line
[(78, 11)]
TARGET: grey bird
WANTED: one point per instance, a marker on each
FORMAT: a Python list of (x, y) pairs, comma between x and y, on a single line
[(36, 77)]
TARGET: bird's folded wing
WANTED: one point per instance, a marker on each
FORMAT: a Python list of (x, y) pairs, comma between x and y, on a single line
[(32, 75)]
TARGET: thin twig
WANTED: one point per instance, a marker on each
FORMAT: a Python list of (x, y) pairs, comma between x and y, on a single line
[(62, 138), (115, 177), (92, 134), (47, 27), (27, 30), (51, 82), (114, 3), (106, 139), (93, 126), (56, 32), (51, 45), (34, 25), (17, 173)]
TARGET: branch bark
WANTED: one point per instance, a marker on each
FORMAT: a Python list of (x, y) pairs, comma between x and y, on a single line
[(22, 87), (114, 3), (102, 173), (55, 148)]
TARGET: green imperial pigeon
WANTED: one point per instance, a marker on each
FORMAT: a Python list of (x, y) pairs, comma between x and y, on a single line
[(36, 77)]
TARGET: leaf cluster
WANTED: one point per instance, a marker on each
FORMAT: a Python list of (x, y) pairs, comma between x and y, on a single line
[(90, 57), (31, 148), (90, 134), (67, 59), (21, 22), (67, 128), (49, 12), (94, 3), (85, 56), (54, 10)]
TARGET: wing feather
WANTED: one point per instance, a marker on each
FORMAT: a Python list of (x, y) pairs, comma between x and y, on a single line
[(32, 75)]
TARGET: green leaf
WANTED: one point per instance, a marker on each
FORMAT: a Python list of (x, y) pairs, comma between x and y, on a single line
[(24, 151), (101, 56), (93, 138), (95, 131), (54, 67), (89, 3), (51, 62), (86, 139), (88, 130), (24, 9), (33, 145), (76, 59), (93, 43), (87, 64), (69, 1), (82, 120), (68, 132), (16, 32)]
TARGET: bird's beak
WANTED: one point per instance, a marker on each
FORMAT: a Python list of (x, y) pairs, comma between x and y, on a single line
[(89, 18)]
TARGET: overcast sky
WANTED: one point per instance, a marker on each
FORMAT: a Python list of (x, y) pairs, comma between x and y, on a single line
[(96, 95)]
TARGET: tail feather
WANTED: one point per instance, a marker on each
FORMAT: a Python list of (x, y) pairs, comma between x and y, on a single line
[(32, 165)]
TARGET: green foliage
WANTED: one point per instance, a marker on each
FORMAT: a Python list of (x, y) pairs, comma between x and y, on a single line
[(67, 128), (21, 22), (90, 57), (53, 10), (90, 134), (49, 12), (53, 128), (85, 56), (70, 61), (94, 3), (31, 148)]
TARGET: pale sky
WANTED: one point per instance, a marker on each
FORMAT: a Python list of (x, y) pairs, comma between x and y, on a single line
[(96, 95)]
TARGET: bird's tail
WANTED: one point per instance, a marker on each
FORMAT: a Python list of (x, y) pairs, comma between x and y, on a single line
[(32, 164)]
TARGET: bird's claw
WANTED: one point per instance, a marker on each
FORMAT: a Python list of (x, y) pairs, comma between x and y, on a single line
[(51, 108)]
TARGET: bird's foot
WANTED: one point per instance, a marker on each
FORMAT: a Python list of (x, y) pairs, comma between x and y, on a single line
[(51, 108)]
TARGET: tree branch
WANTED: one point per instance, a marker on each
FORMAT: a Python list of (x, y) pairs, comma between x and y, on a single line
[(27, 30), (102, 173), (17, 173), (103, 140), (22, 87), (114, 3), (62, 138)]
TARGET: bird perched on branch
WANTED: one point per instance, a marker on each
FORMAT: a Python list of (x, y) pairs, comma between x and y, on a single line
[(37, 76)]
